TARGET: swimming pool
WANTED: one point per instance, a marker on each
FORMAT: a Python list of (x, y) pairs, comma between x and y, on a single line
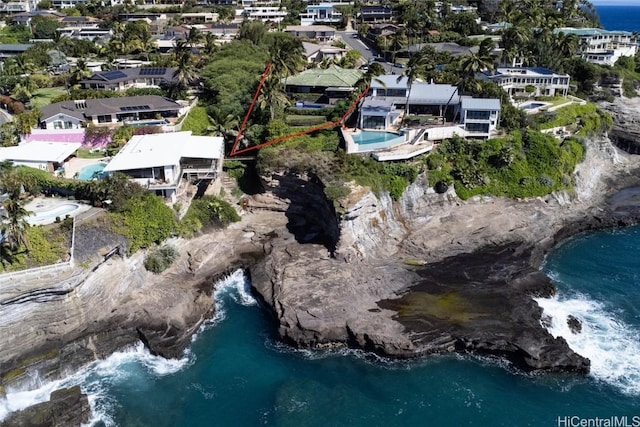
[(373, 137), (91, 171), (49, 216), (154, 122), (532, 105)]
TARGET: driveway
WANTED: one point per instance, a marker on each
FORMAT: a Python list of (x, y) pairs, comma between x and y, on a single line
[(366, 50)]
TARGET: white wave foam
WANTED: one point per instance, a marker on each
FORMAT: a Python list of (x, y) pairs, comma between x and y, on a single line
[(95, 378), (612, 346), (239, 283)]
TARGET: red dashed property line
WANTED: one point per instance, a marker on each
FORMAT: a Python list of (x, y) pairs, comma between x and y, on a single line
[(253, 103), (290, 136)]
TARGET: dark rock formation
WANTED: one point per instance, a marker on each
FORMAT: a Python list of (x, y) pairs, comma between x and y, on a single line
[(574, 324), (67, 407), (625, 132), (481, 302)]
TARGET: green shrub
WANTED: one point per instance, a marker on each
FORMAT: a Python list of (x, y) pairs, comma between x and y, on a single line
[(160, 259), (205, 212), (197, 121), (533, 164), (144, 220)]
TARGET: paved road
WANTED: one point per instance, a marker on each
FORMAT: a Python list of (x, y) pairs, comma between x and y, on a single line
[(365, 50)]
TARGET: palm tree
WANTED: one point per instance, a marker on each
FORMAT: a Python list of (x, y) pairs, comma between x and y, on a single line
[(272, 96), (194, 37), (287, 57), (81, 71), (484, 60), (185, 71), (416, 67), (13, 182), (221, 122)]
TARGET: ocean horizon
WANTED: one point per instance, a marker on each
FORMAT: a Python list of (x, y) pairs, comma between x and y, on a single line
[(625, 17)]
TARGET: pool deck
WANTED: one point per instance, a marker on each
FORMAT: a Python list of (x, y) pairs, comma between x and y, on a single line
[(42, 205), (73, 166)]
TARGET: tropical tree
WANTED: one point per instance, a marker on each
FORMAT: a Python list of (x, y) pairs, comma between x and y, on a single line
[(221, 123), (185, 71), (474, 63), (14, 232), (272, 96), (80, 72), (416, 67), (286, 55), (194, 37)]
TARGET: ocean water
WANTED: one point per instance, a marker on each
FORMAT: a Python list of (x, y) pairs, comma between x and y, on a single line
[(620, 17), (236, 374)]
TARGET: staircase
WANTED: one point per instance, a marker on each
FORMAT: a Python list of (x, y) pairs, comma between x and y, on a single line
[(418, 136)]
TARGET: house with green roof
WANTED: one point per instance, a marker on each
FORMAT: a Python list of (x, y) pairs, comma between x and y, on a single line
[(334, 82), (601, 46)]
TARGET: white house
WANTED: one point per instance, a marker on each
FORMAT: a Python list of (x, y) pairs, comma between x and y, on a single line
[(322, 13), (479, 116), (159, 162), (86, 32), (322, 33), (516, 80), (601, 46), (47, 156), (263, 13), (384, 105)]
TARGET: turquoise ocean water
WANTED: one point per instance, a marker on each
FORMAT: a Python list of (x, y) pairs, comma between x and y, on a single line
[(237, 374)]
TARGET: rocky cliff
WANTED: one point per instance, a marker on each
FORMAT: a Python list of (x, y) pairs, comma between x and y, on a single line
[(431, 273), (52, 326), (625, 132)]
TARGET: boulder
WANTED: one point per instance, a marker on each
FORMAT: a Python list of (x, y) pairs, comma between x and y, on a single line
[(66, 407)]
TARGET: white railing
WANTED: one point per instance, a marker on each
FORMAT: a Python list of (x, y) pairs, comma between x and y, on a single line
[(36, 271)]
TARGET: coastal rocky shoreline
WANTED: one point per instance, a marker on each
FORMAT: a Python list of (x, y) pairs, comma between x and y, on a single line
[(428, 273)]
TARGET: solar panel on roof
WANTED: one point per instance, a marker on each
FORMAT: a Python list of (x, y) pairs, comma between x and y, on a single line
[(155, 71), (113, 75), (135, 108)]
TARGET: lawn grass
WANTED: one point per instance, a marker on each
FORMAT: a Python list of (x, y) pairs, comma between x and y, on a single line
[(44, 96), (90, 153)]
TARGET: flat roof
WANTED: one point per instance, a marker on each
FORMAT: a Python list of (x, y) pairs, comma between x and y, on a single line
[(527, 71), (40, 151), (591, 31), (307, 28), (164, 149), (470, 103)]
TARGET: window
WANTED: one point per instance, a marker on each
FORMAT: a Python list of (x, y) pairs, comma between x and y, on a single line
[(104, 119), (477, 127), (477, 115)]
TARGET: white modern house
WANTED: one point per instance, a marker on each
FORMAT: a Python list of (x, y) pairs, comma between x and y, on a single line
[(162, 162), (321, 33), (85, 32), (46, 156), (601, 46), (530, 81), (389, 95), (321, 13), (263, 13)]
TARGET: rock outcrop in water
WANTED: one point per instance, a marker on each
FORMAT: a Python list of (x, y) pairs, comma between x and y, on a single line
[(429, 273), (67, 407)]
